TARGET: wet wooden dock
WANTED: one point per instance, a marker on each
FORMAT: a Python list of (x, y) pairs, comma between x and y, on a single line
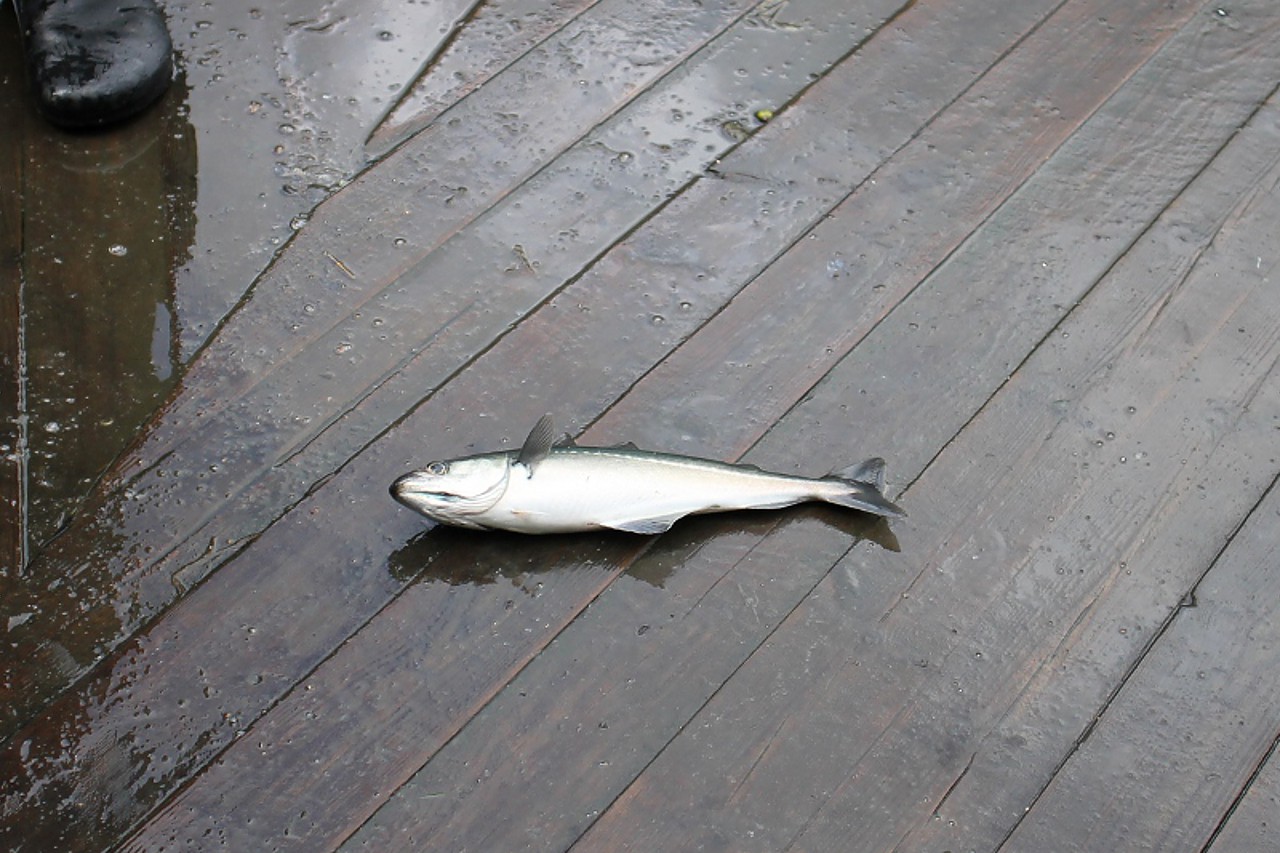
[(1023, 250)]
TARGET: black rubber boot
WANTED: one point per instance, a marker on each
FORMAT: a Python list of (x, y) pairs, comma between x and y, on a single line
[(94, 62)]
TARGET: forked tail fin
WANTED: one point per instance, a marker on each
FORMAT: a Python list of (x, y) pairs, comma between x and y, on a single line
[(866, 485)]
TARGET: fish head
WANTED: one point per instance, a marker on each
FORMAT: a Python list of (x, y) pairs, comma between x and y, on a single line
[(457, 491)]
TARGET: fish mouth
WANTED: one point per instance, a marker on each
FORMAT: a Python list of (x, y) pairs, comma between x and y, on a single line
[(406, 490), (421, 492)]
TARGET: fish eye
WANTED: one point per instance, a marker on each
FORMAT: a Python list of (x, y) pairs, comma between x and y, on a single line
[(438, 469)]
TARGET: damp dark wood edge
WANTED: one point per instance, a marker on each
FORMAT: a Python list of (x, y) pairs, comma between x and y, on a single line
[(405, 195), (189, 559), (190, 807), (12, 416)]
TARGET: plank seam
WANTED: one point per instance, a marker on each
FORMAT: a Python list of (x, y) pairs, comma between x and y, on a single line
[(702, 706), (459, 27), (1084, 297), (1244, 790), (826, 212), (1188, 600)]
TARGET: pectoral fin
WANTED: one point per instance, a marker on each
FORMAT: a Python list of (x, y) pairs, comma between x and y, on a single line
[(538, 445)]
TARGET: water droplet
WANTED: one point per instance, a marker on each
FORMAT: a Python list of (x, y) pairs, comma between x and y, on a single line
[(657, 319), (342, 348), (386, 35), (118, 250), (298, 222), (399, 241)]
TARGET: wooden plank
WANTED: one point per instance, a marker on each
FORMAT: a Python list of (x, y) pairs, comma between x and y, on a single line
[(239, 415), (13, 422), (331, 551), (209, 804), (562, 324), (1251, 825), (1184, 734), (540, 744), (1039, 529), (331, 568), (492, 35)]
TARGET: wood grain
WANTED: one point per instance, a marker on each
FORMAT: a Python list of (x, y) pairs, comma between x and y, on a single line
[(1025, 253), (436, 807), (1251, 825), (1183, 735), (13, 423), (900, 685), (486, 40), (295, 400)]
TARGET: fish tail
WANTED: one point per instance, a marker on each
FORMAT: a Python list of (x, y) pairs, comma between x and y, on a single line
[(865, 482)]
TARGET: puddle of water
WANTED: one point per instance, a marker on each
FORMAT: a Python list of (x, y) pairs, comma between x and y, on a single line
[(135, 242)]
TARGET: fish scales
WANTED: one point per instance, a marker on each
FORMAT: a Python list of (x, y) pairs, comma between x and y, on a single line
[(543, 488)]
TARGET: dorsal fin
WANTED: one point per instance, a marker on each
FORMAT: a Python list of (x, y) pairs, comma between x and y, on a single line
[(566, 440), (538, 445)]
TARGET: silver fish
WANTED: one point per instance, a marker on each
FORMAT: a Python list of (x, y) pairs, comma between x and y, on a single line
[(558, 488)]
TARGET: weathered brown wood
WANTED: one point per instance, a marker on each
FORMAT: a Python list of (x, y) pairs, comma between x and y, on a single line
[(490, 36), (1252, 823), (507, 774), (213, 793), (13, 426), (1182, 737), (563, 326), (769, 708), (209, 446), (1042, 528), (251, 592)]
